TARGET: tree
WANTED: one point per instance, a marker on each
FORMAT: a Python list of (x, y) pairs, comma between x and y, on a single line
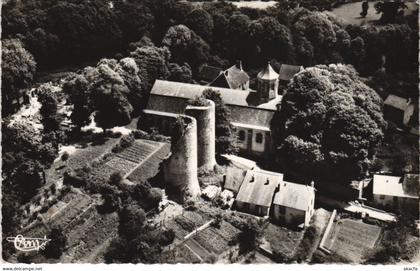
[(271, 39), (180, 73), (155, 197), (18, 69), (132, 218), (186, 46), (225, 133), (330, 124), (49, 101), (390, 10), (152, 63), (248, 237), (201, 22), (55, 247)]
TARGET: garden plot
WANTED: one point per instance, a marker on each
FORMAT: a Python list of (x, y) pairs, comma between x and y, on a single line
[(351, 239), (282, 240)]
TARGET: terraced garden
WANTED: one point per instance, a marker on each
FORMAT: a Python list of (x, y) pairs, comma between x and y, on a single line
[(351, 239)]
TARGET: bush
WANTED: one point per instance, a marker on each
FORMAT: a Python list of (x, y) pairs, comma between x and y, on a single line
[(55, 247), (125, 142), (115, 178), (65, 156)]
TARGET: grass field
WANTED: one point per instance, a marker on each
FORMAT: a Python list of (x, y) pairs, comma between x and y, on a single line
[(351, 239)]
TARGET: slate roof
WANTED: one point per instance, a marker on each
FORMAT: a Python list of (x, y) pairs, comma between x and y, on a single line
[(293, 195), (191, 91), (234, 179), (251, 115), (258, 187), (233, 78), (287, 72), (209, 73), (268, 73), (172, 97), (397, 102), (390, 186)]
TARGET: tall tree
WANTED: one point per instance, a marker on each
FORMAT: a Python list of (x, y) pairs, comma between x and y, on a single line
[(225, 133), (330, 124), (18, 69)]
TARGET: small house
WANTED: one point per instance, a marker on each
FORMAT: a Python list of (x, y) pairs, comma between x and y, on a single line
[(256, 192), (396, 192), (294, 203)]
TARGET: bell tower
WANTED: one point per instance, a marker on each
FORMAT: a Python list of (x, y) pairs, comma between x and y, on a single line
[(267, 84)]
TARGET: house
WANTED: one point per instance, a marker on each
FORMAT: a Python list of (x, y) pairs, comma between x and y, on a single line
[(396, 192), (251, 111), (286, 74), (294, 203), (234, 78), (256, 192), (208, 73), (400, 110)]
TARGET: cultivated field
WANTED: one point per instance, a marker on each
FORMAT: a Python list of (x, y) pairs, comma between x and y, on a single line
[(351, 239)]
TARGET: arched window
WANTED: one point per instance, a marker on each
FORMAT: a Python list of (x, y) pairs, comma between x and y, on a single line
[(259, 138), (241, 135)]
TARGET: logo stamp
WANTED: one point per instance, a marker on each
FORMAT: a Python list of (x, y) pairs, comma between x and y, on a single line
[(28, 244)]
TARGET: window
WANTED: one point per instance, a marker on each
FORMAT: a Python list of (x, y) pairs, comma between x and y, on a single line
[(382, 196), (241, 135), (259, 138)]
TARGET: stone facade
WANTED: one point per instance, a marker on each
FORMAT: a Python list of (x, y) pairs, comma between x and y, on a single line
[(206, 133)]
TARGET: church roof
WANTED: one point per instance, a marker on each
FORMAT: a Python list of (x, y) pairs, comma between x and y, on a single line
[(268, 73), (233, 78), (172, 97), (287, 72)]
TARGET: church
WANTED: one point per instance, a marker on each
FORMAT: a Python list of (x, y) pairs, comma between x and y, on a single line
[(251, 110)]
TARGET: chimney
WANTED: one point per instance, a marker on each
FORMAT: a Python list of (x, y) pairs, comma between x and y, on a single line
[(267, 181), (252, 179), (312, 183), (239, 64)]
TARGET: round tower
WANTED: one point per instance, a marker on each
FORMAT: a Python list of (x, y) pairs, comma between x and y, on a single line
[(180, 170), (267, 84), (206, 133)]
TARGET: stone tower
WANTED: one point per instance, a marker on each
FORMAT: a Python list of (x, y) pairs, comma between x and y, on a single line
[(206, 133), (267, 84), (180, 170)]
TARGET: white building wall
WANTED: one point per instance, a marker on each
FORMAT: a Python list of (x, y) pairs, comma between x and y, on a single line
[(258, 147)]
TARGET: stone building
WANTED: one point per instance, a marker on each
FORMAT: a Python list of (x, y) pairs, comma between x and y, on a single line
[(293, 204), (251, 118), (396, 193), (256, 193)]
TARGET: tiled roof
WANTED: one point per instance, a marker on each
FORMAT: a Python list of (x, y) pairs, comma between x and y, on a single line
[(233, 78), (258, 187), (287, 72), (390, 186), (293, 195), (251, 115)]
